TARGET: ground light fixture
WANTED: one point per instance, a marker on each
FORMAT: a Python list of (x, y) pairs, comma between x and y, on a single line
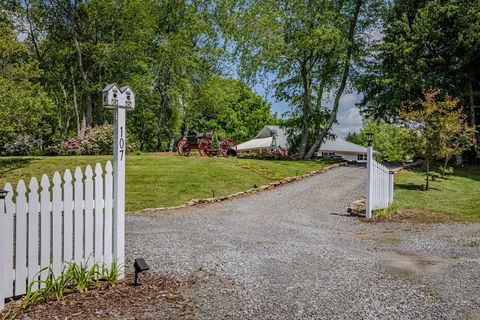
[(140, 266), (369, 138), (3, 193)]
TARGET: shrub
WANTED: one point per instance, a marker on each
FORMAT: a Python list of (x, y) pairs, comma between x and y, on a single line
[(137, 152), (97, 141), (434, 175), (23, 145), (448, 171)]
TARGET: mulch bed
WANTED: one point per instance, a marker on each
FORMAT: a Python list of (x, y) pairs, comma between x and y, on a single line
[(159, 297)]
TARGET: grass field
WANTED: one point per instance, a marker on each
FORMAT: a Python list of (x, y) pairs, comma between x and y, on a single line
[(455, 198), (162, 181)]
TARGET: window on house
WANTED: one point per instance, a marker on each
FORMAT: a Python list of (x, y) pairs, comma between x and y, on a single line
[(362, 157), (328, 153)]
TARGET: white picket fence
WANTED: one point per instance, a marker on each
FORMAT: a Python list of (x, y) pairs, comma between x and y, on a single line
[(53, 224), (379, 186)]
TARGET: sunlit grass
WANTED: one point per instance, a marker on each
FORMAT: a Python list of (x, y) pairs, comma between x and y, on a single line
[(163, 181), (457, 196)]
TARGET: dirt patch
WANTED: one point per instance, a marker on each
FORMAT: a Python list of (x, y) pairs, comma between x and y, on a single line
[(383, 237), (159, 297), (161, 154), (418, 216), (399, 261)]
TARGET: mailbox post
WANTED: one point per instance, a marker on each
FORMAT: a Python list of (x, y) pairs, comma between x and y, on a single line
[(120, 100)]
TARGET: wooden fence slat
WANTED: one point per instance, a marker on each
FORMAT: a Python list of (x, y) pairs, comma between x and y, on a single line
[(67, 217), (57, 224), (45, 231), (33, 232), (8, 236), (70, 221), (21, 239), (79, 222), (89, 216), (6, 247), (99, 214), (108, 240)]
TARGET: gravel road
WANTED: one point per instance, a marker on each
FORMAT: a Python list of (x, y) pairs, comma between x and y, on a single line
[(293, 253)]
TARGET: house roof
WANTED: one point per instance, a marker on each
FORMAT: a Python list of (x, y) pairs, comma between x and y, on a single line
[(268, 131), (341, 145), (259, 143)]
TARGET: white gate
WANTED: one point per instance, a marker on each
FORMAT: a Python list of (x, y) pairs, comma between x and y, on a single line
[(379, 185), (56, 222)]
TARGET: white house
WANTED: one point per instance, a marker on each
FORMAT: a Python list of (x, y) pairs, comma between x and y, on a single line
[(266, 141), (271, 137), (347, 150)]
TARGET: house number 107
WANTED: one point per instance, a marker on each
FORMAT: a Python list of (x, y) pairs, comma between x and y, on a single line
[(121, 144)]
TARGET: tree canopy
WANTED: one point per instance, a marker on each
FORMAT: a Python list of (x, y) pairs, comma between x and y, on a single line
[(426, 45)]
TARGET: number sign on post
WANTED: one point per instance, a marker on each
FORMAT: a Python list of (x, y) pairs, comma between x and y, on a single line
[(120, 99)]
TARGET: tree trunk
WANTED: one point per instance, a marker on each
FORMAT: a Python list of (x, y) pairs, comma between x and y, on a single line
[(87, 99), (307, 106), (65, 112), (445, 166), (158, 147), (80, 130), (472, 119), (184, 126), (171, 138), (346, 70), (428, 174)]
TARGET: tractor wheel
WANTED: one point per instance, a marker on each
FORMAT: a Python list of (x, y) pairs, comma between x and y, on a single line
[(228, 148), (204, 146), (182, 148)]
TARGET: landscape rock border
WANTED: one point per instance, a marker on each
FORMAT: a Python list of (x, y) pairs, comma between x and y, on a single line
[(269, 186)]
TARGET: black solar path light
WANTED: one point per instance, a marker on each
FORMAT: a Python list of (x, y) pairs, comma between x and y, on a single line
[(140, 266), (3, 194)]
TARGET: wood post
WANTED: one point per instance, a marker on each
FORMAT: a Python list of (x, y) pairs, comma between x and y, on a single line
[(119, 189)]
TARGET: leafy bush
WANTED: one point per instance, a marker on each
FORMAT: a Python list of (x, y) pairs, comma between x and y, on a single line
[(448, 171), (137, 152), (97, 141), (23, 145), (434, 175)]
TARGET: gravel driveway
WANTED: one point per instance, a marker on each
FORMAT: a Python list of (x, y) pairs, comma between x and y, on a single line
[(293, 253)]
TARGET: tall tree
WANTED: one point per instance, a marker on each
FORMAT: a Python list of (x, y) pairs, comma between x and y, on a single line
[(306, 46), (426, 44), (26, 111)]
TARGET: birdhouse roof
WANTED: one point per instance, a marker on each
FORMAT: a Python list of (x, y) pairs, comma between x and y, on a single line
[(124, 88), (110, 86)]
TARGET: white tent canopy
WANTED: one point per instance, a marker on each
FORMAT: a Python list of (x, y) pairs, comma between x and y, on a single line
[(264, 140)]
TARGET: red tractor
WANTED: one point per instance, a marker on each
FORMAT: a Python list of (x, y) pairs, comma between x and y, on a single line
[(203, 143)]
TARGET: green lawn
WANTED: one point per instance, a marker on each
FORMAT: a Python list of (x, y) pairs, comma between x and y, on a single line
[(160, 181), (455, 198)]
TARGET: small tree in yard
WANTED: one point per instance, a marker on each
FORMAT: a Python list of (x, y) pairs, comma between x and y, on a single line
[(458, 135), (438, 129)]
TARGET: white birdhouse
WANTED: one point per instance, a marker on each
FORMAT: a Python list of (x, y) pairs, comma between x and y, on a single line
[(111, 96), (128, 97)]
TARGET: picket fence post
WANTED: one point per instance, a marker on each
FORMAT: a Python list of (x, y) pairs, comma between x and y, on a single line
[(390, 186), (370, 182)]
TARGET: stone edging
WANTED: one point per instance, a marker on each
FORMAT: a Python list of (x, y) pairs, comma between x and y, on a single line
[(269, 186)]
